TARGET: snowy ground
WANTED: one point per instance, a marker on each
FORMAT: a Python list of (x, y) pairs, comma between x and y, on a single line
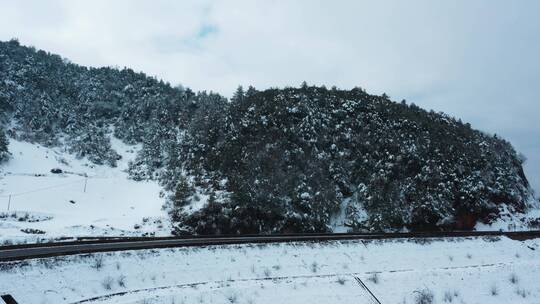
[(47, 205), (472, 270)]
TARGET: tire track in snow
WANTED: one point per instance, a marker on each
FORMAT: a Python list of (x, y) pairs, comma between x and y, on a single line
[(222, 283)]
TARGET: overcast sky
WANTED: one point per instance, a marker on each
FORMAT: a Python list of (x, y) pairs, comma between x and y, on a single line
[(477, 60)]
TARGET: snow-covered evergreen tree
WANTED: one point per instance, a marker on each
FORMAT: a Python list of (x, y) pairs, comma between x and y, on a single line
[(4, 153)]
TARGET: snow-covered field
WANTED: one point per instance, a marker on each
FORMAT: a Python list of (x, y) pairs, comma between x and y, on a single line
[(47, 205), (472, 270)]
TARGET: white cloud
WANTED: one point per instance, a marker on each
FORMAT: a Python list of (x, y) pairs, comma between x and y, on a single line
[(473, 59)]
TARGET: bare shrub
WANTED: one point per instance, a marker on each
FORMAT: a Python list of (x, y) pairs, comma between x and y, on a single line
[(374, 278), (341, 281), (494, 291), (424, 296), (98, 262), (107, 283), (522, 292), (314, 267), (121, 281), (232, 298), (513, 278), (50, 263), (449, 296)]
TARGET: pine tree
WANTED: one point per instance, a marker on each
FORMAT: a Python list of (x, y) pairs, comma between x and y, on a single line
[(4, 153), (238, 95), (183, 192)]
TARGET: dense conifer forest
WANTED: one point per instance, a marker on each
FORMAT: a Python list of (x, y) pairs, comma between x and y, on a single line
[(270, 161)]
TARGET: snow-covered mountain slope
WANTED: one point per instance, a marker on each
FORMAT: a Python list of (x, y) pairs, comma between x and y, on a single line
[(471, 270), (85, 199)]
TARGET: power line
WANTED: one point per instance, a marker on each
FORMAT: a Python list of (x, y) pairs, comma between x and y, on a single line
[(42, 189)]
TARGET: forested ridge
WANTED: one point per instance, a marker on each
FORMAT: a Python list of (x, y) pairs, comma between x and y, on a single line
[(276, 160)]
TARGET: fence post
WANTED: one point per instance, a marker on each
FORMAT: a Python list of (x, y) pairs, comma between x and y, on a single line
[(85, 181), (9, 202)]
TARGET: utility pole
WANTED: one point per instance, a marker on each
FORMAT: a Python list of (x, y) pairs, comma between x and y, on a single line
[(9, 202), (85, 182)]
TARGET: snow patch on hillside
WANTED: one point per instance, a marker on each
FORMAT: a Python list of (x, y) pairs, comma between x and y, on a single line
[(511, 220), (83, 200)]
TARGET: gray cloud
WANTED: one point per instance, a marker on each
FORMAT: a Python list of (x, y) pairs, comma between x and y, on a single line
[(472, 59)]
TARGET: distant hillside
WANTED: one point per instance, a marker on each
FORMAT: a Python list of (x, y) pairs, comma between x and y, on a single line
[(278, 160), (53, 101)]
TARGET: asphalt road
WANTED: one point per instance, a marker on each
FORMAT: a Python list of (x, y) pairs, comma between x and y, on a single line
[(29, 251)]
